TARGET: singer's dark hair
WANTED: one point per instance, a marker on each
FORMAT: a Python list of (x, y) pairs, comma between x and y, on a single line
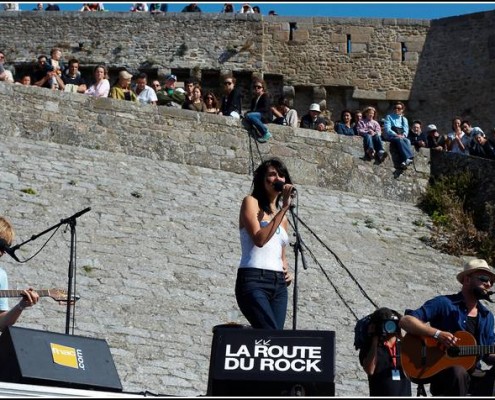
[(259, 192)]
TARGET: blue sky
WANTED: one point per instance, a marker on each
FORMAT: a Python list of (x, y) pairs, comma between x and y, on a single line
[(416, 10)]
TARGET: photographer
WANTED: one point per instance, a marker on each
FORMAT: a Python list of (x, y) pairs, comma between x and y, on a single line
[(380, 355)]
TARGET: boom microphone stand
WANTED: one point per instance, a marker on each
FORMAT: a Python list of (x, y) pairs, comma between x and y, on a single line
[(298, 248), (71, 221)]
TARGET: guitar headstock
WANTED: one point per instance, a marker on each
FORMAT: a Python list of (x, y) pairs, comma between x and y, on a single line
[(60, 295)]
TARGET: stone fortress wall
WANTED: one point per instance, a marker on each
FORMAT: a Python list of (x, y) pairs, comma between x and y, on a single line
[(158, 251), (341, 62)]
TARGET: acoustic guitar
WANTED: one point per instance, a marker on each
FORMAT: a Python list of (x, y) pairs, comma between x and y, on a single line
[(56, 294), (423, 357)]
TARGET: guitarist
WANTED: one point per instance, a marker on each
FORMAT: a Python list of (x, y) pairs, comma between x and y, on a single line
[(448, 314), (8, 316)]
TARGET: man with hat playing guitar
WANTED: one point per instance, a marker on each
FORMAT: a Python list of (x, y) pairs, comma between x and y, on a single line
[(447, 333)]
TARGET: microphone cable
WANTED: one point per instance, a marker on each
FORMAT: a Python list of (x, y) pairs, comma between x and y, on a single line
[(339, 261)]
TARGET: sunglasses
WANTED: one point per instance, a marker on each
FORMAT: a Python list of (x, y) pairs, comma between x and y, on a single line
[(484, 278), (397, 108), (227, 83)]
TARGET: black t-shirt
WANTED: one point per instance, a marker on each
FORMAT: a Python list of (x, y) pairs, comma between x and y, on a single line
[(77, 80), (381, 382)]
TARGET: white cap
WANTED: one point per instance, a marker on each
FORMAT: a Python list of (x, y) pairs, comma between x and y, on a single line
[(314, 107)]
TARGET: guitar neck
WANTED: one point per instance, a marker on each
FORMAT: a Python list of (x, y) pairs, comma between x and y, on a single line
[(18, 293), (474, 350)]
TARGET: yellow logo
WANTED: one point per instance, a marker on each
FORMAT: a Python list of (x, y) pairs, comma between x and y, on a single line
[(64, 355)]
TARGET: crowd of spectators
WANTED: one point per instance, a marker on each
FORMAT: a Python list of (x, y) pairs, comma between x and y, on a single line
[(154, 8), (54, 73)]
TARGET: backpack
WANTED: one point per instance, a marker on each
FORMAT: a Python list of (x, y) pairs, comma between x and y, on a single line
[(361, 336)]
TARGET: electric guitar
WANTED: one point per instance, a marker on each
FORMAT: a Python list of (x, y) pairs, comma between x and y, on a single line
[(56, 294), (423, 357)]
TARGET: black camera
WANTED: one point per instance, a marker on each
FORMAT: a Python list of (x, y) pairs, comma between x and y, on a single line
[(388, 327)]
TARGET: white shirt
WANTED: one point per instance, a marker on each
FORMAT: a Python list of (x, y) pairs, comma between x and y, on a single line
[(147, 96)]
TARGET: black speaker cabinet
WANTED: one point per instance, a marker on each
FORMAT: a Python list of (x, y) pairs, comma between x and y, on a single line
[(262, 362), (53, 359)]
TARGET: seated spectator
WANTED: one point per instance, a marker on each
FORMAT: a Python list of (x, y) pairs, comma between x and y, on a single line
[(458, 141), (256, 10), (58, 66), (260, 112), (6, 75), (482, 147), (246, 9), (231, 102), (193, 7), (283, 114), (417, 136), (156, 85), (11, 6), (44, 75), (370, 130), (189, 85), (196, 103), (39, 7), (72, 80), (356, 117), (52, 7), (211, 103), (344, 126), (468, 130), (434, 140), (25, 80), (228, 8), (92, 7), (139, 7), (396, 129), (122, 89), (101, 86), (313, 120), (158, 8), (272, 12), (145, 94), (170, 96)]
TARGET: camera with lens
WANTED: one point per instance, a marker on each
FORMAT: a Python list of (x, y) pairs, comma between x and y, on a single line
[(48, 68), (388, 327), (385, 322)]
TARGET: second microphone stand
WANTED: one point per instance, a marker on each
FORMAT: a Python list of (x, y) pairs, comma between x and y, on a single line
[(71, 221), (298, 248)]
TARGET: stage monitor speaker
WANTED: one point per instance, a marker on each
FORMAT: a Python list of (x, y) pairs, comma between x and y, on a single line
[(53, 359), (262, 362)]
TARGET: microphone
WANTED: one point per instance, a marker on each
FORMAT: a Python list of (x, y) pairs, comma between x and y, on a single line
[(480, 294), (279, 186), (7, 249)]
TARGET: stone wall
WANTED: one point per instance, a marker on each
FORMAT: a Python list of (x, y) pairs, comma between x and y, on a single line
[(416, 61), (186, 137), (455, 74), (340, 62)]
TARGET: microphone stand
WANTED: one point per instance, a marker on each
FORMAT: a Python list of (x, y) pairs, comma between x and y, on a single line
[(71, 221), (297, 249)]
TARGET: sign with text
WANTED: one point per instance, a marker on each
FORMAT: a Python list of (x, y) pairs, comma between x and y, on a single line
[(295, 356)]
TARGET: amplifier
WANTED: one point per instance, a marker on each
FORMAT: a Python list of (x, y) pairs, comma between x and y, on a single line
[(53, 359), (263, 362)]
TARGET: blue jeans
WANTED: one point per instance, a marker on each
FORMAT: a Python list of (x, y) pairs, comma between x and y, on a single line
[(374, 142), (255, 118), (403, 147), (262, 297)]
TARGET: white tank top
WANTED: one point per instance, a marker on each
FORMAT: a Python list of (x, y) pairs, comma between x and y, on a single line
[(267, 257)]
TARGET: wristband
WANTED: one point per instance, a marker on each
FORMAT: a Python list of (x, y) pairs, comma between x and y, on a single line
[(437, 334)]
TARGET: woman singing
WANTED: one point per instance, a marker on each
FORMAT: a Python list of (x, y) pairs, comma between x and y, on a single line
[(263, 277)]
